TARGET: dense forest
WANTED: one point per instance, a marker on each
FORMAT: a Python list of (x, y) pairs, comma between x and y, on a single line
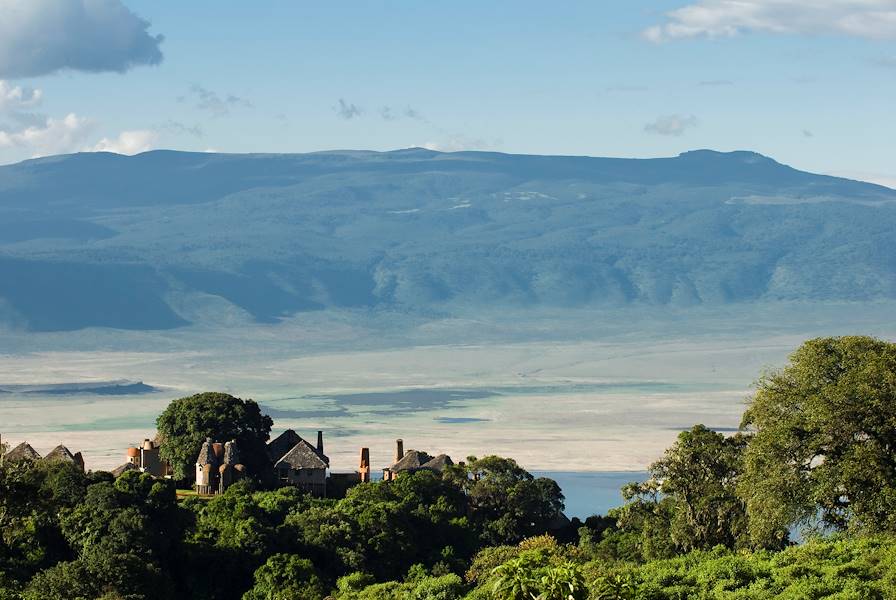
[(801, 503)]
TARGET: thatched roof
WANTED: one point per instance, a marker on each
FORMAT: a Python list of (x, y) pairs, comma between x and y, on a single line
[(23, 451), (282, 444), (207, 454), (286, 441), (60, 453), (302, 456), (411, 461), (231, 453), (439, 463), (118, 471)]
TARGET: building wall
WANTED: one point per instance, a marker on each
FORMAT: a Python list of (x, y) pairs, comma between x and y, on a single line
[(313, 481), (152, 463)]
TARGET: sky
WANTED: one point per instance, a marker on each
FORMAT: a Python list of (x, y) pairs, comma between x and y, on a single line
[(809, 83)]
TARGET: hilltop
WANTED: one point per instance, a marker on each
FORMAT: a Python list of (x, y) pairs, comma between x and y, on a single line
[(154, 240)]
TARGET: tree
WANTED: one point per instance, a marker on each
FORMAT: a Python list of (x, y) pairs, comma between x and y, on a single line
[(690, 501), (187, 422), (286, 577), (529, 577), (508, 503), (825, 440)]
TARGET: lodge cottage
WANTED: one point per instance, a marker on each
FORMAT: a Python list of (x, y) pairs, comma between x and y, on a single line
[(217, 467), (60, 453)]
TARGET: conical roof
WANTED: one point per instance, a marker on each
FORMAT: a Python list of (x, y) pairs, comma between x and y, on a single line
[(23, 451), (231, 453), (207, 454), (60, 453)]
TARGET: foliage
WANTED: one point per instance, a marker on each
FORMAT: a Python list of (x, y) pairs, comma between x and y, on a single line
[(384, 528), (531, 577), (690, 501), (187, 422), (508, 504), (825, 438), (864, 568), (286, 577), (425, 587)]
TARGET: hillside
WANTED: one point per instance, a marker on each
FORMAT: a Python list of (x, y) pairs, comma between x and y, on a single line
[(151, 241)]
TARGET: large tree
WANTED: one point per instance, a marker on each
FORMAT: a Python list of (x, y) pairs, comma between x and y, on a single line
[(690, 500), (825, 440), (507, 503), (187, 422)]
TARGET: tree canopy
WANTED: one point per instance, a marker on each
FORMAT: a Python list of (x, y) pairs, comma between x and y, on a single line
[(825, 440), (187, 422)]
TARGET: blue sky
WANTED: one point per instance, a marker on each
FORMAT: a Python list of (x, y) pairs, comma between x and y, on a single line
[(812, 84)]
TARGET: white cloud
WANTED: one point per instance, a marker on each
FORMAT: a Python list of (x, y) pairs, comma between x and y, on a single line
[(16, 98), (38, 37), (674, 125), (54, 136), (33, 134), (127, 142), (874, 19)]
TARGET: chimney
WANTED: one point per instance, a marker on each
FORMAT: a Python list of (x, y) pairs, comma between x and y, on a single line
[(364, 470), (320, 442), (399, 450)]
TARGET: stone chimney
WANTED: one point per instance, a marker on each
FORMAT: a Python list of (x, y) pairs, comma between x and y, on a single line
[(320, 442), (364, 469), (399, 450)]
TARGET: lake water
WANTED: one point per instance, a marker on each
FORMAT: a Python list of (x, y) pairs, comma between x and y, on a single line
[(592, 493)]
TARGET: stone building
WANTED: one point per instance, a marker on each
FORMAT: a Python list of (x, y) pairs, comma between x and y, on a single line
[(147, 458), (414, 460), (297, 462), (217, 467)]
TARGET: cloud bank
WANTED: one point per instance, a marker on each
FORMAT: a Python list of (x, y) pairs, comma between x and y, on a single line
[(31, 134), (54, 136), (872, 19), (127, 142), (38, 37)]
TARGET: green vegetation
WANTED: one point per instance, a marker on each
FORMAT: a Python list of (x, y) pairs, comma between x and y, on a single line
[(712, 522)]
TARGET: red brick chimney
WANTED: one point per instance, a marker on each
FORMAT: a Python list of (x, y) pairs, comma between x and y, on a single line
[(364, 469), (399, 450)]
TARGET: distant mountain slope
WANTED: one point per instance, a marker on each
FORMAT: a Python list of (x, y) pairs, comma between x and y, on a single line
[(150, 241)]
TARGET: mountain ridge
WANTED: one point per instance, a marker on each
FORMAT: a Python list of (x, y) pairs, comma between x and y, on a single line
[(98, 239)]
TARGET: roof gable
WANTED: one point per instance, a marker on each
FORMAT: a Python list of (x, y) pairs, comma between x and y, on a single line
[(412, 459), (281, 444), (23, 451), (302, 456), (60, 453), (439, 463)]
